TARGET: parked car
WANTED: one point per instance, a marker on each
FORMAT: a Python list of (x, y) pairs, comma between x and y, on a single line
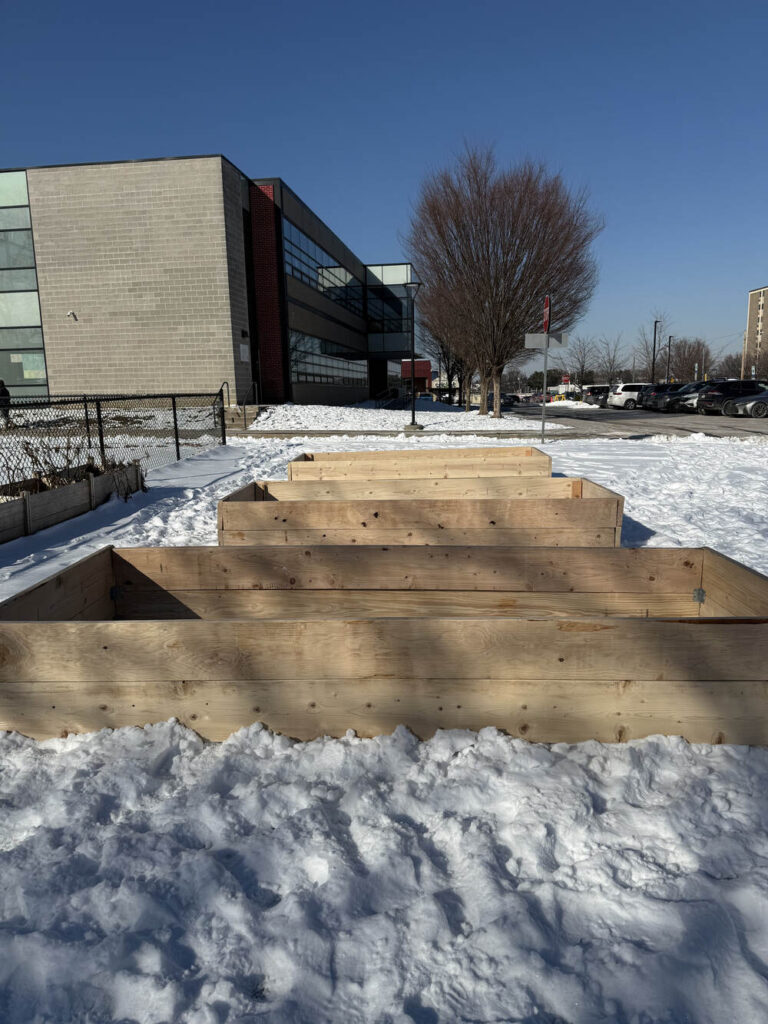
[(592, 393), (673, 401), (654, 398), (748, 405), (711, 400), (624, 396)]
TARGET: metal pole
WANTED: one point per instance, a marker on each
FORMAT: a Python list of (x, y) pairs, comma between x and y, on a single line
[(87, 422), (653, 358), (176, 428), (544, 389), (669, 355), (413, 364), (223, 423), (100, 425)]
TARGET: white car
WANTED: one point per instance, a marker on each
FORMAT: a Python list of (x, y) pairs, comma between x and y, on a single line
[(624, 396)]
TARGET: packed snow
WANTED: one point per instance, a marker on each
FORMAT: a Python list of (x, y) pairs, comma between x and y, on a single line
[(431, 415), (150, 877)]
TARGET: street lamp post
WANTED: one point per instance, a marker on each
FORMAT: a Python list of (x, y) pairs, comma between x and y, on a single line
[(412, 288), (653, 358), (669, 355)]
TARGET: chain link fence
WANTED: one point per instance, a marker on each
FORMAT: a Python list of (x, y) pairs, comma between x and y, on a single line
[(48, 442)]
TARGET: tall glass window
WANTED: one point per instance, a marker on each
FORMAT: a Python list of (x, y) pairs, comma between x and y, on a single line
[(315, 361), (305, 260), (22, 357)]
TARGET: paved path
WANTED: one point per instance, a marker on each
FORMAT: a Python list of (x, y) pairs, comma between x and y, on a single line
[(592, 422)]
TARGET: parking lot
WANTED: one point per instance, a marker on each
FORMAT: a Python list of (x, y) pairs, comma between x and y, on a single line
[(626, 423)]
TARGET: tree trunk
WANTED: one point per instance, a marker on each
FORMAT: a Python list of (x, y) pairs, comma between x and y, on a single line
[(468, 390), (483, 410), (496, 394)]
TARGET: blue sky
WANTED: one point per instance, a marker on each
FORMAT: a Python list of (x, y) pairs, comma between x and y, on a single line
[(658, 109)]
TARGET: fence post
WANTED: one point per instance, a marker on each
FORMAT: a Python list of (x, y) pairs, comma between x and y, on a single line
[(223, 420), (100, 425), (176, 428), (27, 513), (87, 421)]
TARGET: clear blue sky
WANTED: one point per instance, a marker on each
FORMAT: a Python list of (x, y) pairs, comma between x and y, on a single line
[(659, 109)]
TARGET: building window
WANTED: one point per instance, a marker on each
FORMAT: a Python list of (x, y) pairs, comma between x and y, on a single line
[(316, 361), (22, 357), (306, 261)]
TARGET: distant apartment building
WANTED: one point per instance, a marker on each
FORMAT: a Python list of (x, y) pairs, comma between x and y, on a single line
[(755, 350), (178, 274)]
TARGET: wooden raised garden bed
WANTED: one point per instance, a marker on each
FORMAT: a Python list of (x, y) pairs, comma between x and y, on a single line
[(550, 644), (575, 513), (443, 463)]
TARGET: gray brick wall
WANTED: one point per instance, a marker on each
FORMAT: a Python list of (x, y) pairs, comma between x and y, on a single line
[(139, 252)]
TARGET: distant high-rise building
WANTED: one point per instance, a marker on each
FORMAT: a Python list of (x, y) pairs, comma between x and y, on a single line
[(755, 347)]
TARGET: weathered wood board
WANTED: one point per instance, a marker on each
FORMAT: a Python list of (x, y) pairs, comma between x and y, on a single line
[(439, 466), (419, 454), (553, 645), (570, 519), (351, 490)]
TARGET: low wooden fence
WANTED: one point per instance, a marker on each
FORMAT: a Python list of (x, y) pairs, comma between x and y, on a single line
[(549, 644), (566, 513), (32, 512)]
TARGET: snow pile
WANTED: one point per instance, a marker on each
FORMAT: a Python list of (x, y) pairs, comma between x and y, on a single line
[(335, 417), (149, 878)]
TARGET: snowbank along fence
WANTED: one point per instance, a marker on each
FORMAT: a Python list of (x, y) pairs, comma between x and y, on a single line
[(549, 644), (441, 463), (539, 511), (57, 440)]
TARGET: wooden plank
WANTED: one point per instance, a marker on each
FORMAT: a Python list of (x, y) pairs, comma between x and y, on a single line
[(422, 454), (247, 493), (494, 648), (412, 514), (52, 507), (465, 487), (12, 519), (599, 570), (436, 468), (562, 711), (605, 537), (728, 584), (330, 604), (81, 587)]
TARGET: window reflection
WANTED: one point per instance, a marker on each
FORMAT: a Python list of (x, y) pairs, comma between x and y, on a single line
[(316, 361), (306, 261)]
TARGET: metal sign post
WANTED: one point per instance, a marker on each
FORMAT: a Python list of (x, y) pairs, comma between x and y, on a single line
[(544, 341), (544, 388)]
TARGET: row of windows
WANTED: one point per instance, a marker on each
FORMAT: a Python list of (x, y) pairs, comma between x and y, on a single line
[(315, 361), (307, 261), (22, 358)]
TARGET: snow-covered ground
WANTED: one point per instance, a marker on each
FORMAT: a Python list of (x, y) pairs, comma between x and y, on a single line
[(150, 877), (431, 415)]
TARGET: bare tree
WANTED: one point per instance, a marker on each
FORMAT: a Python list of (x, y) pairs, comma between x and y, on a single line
[(729, 365), (689, 359), (579, 359), (610, 358), (643, 353), (491, 243)]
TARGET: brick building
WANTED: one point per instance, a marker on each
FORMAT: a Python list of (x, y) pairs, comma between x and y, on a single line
[(179, 274), (755, 350)]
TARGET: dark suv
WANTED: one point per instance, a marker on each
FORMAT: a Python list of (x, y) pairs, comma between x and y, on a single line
[(712, 399)]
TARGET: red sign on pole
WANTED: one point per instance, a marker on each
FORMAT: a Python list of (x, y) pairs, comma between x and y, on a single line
[(566, 380), (546, 315)]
